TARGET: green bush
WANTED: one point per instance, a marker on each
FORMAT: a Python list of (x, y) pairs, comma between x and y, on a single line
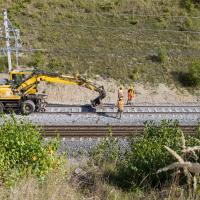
[(22, 149), (189, 4), (191, 78), (162, 55), (194, 72), (147, 155)]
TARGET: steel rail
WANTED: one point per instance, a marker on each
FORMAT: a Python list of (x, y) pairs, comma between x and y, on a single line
[(132, 106), (114, 112), (101, 131), (111, 109)]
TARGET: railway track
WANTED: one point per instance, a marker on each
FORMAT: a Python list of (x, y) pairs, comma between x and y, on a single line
[(100, 131), (111, 108)]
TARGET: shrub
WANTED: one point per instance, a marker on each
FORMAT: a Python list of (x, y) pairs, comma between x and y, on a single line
[(191, 78), (147, 155), (162, 55), (22, 149), (189, 4), (194, 72)]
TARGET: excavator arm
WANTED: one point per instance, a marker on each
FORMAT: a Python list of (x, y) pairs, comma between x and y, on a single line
[(26, 86)]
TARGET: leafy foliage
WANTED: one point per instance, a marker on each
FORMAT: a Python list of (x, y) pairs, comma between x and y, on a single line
[(147, 155), (194, 72), (23, 149), (188, 4), (192, 77)]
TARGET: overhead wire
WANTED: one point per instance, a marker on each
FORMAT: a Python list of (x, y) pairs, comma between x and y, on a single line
[(133, 14)]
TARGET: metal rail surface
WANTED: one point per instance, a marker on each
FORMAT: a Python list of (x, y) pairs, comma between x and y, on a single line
[(100, 131), (133, 105), (111, 108)]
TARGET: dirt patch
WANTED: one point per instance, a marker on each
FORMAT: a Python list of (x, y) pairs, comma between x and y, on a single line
[(161, 94), (68, 94)]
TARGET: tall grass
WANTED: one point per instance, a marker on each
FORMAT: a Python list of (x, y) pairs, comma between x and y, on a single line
[(105, 36)]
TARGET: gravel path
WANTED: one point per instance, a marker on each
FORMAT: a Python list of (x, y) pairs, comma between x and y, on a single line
[(81, 147), (107, 118)]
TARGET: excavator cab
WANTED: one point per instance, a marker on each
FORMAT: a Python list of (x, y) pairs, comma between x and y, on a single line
[(16, 77)]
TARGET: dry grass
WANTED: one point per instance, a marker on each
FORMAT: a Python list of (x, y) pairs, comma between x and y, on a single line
[(54, 188), (191, 170), (79, 187), (85, 36)]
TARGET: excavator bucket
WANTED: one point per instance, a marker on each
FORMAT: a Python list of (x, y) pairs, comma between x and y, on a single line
[(102, 95), (96, 102)]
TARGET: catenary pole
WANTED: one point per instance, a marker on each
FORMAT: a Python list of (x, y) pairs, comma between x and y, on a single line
[(7, 32)]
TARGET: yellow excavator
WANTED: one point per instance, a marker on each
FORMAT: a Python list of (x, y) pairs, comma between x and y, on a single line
[(20, 92)]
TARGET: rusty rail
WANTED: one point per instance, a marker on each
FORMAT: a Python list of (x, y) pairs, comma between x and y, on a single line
[(100, 131)]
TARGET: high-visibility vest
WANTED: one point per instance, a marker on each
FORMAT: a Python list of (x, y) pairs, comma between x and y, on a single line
[(121, 105), (130, 94)]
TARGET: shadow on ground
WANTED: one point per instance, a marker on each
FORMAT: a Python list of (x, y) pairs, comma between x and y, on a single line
[(184, 78)]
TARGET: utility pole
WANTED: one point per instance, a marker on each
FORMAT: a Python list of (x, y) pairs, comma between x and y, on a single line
[(13, 42), (17, 45), (7, 33)]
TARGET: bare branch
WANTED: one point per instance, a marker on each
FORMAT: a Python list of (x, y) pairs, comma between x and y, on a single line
[(173, 153), (183, 140), (192, 167), (169, 167), (191, 149)]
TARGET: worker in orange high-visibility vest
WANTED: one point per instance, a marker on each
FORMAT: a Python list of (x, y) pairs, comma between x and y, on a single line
[(131, 94), (120, 106)]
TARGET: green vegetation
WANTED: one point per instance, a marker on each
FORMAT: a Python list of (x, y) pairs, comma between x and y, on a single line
[(148, 155), (138, 167), (24, 151), (113, 38), (191, 78), (31, 169)]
